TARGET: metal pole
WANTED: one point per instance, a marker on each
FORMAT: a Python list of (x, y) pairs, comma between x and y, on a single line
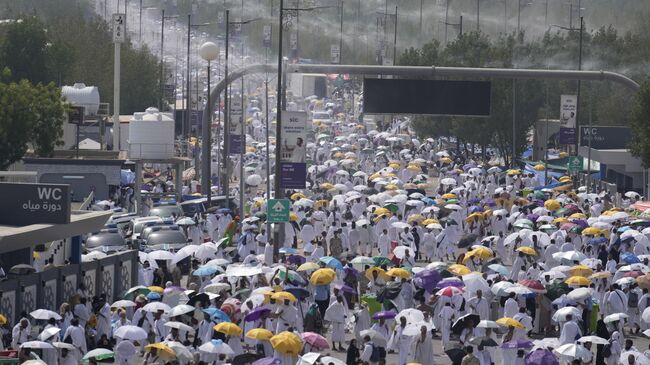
[(546, 15), (591, 137), (242, 151), (579, 84), (446, 20), (546, 138), (518, 15), (268, 154), (514, 122), (116, 100), (505, 16), (226, 121), (278, 138), (341, 36), (460, 25), (419, 34), (140, 31), (188, 117), (478, 15), (206, 149), (395, 39), (162, 57)]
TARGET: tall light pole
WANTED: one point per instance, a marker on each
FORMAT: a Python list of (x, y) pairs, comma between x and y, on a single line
[(162, 56), (209, 52), (478, 15)]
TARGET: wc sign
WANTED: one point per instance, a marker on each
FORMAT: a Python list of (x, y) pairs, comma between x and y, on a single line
[(34, 204)]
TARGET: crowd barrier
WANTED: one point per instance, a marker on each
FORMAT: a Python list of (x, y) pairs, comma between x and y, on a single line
[(48, 289)]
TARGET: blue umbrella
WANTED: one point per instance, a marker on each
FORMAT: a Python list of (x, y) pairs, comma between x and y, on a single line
[(623, 229), (205, 271), (217, 314), (499, 269), (598, 241), (331, 262), (298, 292), (629, 258), (517, 344), (475, 209), (153, 296), (428, 200), (289, 250)]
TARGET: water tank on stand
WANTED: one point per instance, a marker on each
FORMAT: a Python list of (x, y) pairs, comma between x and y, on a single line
[(151, 135), (81, 95)]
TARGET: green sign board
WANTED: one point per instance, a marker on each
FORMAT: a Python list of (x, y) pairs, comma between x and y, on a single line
[(278, 210), (575, 164)]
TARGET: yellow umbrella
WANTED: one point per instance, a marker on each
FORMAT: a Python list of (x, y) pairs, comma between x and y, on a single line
[(164, 352), (428, 221), (446, 160), (563, 155), (381, 273), (552, 204), (380, 211), (487, 214), (3, 320), (458, 269), (415, 218), (527, 251), (480, 252), (297, 196), (287, 343), (560, 220), (474, 217), (578, 280), (339, 155), (510, 322), (156, 289), (321, 203), (326, 186), (414, 168), (283, 295), (323, 276), (308, 266), (643, 281), (391, 187), (228, 328), (581, 270), (259, 334), (398, 272), (374, 176), (539, 167), (293, 217), (379, 217), (592, 231), (394, 165), (513, 172), (251, 149), (578, 216), (448, 196), (600, 275)]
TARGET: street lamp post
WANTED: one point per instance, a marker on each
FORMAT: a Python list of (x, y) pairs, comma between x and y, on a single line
[(162, 55), (209, 52)]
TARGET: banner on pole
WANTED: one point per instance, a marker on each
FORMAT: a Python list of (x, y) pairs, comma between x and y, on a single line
[(293, 167), (335, 53), (119, 28), (568, 109), (266, 36), (236, 125)]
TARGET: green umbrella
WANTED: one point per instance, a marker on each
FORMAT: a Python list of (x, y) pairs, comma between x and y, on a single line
[(373, 305), (562, 212), (448, 221), (576, 229), (134, 292), (392, 207), (452, 201), (381, 260), (539, 195), (243, 293), (555, 289)]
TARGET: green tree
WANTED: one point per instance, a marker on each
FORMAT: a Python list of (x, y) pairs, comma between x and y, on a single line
[(640, 124), (29, 115), (24, 50)]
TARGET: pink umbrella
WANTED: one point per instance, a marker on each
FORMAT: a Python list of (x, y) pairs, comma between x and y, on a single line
[(567, 226), (315, 340), (449, 291)]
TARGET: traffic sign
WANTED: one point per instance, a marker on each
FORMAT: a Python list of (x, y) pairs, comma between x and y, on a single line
[(119, 28), (277, 210), (575, 164)]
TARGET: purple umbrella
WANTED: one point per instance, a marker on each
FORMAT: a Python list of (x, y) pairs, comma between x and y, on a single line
[(384, 315), (475, 209), (489, 202), (474, 201), (256, 314), (581, 222), (345, 288), (517, 344), (532, 217), (349, 270), (267, 361), (427, 279), (170, 289), (450, 282), (541, 357), (468, 166), (296, 259)]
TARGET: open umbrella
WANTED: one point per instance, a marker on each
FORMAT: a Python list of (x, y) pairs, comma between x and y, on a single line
[(47, 333), (483, 341), (216, 347), (315, 340), (541, 357), (464, 322), (574, 351), (375, 336), (323, 276), (99, 354), (130, 332), (44, 314), (456, 355), (287, 343), (261, 334)]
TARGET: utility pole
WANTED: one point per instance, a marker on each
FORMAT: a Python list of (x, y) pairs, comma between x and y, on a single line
[(188, 91), (225, 177), (279, 194), (162, 58), (478, 15), (341, 36), (579, 84)]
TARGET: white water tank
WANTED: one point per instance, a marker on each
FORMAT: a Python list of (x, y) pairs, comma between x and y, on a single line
[(151, 135), (81, 95)]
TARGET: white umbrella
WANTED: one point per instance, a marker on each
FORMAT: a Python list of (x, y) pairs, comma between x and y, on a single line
[(448, 181), (453, 207), (123, 304), (593, 339), (179, 326), (156, 306), (44, 314), (362, 222), (186, 221), (304, 202), (160, 255), (181, 351), (375, 336), (125, 350), (241, 270), (217, 262), (646, 315), (414, 329), (487, 324), (579, 294), (206, 251), (254, 180), (560, 314), (400, 225), (216, 288), (412, 315), (97, 352), (130, 332), (216, 347), (180, 310), (48, 332), (518, 289), (569, 256), (94, 255), (552, 342), (400, 252), (63, 345), (500, 287), (332, 360), (615, 317), (574, 351), (36, 345)]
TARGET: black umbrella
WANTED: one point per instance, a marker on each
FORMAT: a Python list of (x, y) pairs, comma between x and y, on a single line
[(483, 341), (390, 291), (456, 355), (467, 240), (246, 358), (199, 298), (463, 321)]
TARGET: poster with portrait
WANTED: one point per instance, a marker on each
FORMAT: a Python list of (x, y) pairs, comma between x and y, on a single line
[(293, 150), (236, 125)]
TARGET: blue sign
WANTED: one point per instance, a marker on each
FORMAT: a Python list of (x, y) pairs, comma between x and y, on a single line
[(235, 144), (567, 135)]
